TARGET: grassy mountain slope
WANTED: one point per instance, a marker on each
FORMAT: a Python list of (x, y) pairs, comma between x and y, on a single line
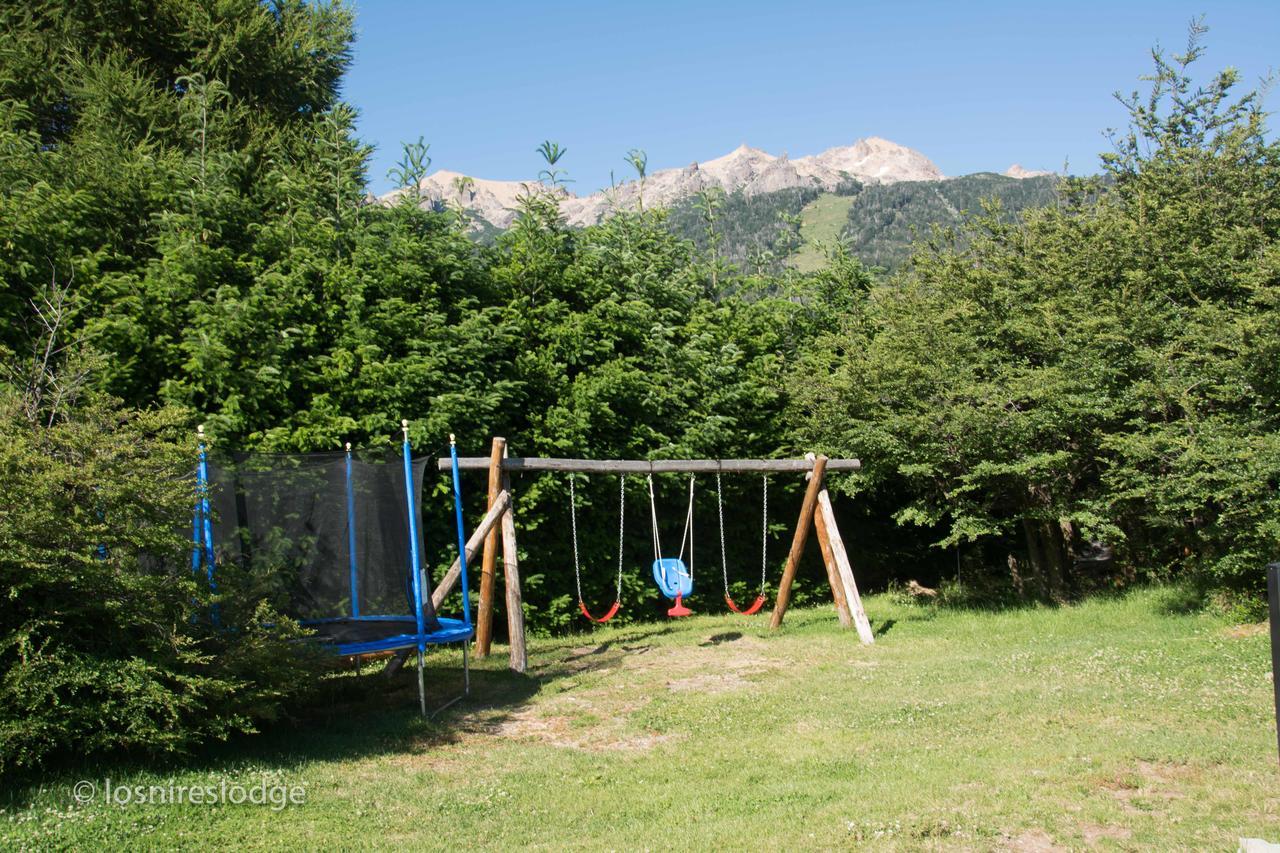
[(822, 222)]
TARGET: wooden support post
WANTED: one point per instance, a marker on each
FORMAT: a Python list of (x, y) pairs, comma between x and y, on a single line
[(484, 613), (825, 522), (798, 541), (486, 524), (829, 560), (511, 580), (833, 577)]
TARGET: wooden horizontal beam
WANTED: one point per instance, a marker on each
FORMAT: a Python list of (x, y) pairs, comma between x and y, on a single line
[(655, 466)]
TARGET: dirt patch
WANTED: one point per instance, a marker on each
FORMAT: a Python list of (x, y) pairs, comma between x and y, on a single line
[(618, 678), (1251, 629), (725, 683), (738, 659), (1094, 834), (604, 735), (1142, 789), (1034, 841)]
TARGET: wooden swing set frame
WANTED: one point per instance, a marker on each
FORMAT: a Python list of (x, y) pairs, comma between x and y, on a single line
[(498, 529)]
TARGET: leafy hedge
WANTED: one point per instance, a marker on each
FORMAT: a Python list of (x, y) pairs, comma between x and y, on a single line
[(105, 642)]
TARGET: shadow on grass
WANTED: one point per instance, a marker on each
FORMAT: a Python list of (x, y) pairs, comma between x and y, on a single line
[(360, 713), (1184, 599), (354, 714), (350, 716), (884, 627), (618, 642)]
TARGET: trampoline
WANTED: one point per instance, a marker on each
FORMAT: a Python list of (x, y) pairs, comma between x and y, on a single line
[(334, 541)]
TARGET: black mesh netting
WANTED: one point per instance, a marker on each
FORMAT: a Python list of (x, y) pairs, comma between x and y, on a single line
[(284, 519)]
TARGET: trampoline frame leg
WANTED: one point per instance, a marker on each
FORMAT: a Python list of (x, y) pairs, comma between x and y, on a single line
[(422, 690), (466, 683)]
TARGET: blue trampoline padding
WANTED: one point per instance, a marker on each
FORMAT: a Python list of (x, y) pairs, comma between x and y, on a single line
[(672, 576), (384, 634)]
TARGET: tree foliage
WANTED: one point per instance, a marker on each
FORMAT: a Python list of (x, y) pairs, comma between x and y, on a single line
[(886, 220), (1101, 372)]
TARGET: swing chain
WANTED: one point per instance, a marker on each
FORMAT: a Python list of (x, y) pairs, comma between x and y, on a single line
[(688, 528), (686, 536), (653, 513), (622, 512), (573, 523), (764, 534), (724, 563)]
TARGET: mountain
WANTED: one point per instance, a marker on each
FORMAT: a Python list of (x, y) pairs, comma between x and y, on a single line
[(875, 196), (1016, 171), (493, 201), (870, 161), (877, 222), (749, 170)]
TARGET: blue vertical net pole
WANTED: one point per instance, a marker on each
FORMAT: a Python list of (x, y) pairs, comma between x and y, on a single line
[(351, 538), (462, 533), (196, 543), (205, 515), (415, 559)]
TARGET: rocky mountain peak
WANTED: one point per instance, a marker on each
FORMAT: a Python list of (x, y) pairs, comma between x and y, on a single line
[(751, 171), (1016, 171)]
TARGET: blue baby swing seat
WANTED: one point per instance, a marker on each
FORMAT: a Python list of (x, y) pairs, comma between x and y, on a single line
[(673, 577)]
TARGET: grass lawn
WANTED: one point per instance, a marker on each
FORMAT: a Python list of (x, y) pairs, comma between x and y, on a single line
[(1116, 723), (821, 223)]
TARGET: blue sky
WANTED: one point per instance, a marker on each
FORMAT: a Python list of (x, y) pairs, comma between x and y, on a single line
[(972, 86)]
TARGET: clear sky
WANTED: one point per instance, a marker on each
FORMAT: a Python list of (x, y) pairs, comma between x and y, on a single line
[(972, 86)]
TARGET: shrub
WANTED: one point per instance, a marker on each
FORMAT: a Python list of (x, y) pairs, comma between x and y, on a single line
[(104, 644)]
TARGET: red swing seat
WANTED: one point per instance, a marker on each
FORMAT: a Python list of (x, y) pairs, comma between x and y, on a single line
[(613, 611), (750, 611), (577, 568), (728, 599)]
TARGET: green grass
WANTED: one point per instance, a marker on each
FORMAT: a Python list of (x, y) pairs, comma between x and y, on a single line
[(822, 220), (1118, 722)]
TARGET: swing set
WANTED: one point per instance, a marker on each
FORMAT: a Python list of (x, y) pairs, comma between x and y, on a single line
[(673, 575)]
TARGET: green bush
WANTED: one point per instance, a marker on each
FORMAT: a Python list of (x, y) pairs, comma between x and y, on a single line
[(104, 640)]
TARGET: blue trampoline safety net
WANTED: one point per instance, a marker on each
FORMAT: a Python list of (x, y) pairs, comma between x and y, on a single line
[(327, 534)]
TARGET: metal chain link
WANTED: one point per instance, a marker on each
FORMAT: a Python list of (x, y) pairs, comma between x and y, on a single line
[(573, 523), (688, 523), (687, 536), (724, 564), (622, 514), (764, 535)]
